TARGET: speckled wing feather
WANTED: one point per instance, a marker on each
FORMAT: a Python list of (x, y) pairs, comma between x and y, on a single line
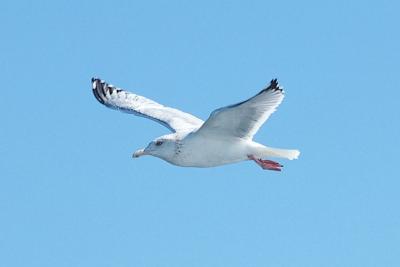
[(117, 98)]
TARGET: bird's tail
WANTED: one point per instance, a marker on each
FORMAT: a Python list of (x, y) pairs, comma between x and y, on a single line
[(279, 153)]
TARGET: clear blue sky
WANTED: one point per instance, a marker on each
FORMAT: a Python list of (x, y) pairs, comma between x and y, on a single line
[(71, 195)]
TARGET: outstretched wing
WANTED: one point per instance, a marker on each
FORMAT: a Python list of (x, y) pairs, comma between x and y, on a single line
[(245, 118), (117, 98)]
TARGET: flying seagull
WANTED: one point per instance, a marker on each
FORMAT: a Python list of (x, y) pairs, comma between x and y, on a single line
[(225, 137)]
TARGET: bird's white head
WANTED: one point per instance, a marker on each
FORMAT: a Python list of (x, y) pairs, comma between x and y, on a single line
[(163, 147)]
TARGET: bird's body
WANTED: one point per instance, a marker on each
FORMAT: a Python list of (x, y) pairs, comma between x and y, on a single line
[(226, 137), (191, 151)]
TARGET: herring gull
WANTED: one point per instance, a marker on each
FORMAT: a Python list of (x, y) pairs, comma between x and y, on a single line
[(225, 137)]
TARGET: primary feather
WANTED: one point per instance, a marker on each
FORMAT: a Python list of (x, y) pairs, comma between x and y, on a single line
[(117, 98)]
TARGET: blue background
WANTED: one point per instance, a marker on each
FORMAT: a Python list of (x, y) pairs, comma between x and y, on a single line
[(71, 195)]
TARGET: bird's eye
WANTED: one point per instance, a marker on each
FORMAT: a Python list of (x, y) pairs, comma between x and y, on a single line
[(159, 143)]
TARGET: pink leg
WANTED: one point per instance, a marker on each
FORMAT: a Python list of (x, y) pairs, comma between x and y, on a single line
[(266, 164)]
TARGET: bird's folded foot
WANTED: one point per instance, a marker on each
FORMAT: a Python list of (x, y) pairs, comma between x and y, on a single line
[(266, 164)]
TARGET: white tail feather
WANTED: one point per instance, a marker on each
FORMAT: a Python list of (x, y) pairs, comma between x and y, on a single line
[(280, 153)]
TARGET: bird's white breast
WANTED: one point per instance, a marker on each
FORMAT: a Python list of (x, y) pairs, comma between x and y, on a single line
[(198, 151)]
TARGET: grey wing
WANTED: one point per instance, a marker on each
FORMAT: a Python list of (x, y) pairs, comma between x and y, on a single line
[(245, 118), (117, 98)]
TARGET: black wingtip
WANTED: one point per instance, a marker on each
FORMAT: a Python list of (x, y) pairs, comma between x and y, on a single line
[(274, 85), (98, 89)]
